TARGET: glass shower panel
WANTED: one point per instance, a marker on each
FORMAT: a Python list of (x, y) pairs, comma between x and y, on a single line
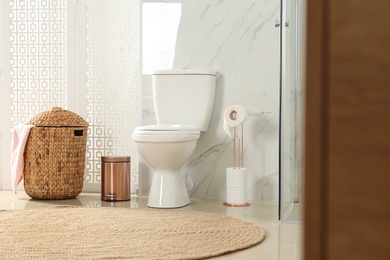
[(291, 120)]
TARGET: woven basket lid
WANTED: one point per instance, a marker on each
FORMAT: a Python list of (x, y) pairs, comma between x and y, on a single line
[(57, 117)]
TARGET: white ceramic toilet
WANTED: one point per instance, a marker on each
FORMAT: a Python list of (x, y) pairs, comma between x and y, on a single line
[(183, 102)]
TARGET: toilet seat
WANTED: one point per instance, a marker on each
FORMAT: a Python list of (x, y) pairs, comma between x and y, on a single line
[(165, 133)]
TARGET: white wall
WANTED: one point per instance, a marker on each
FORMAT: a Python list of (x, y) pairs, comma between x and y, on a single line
[(238, 39)]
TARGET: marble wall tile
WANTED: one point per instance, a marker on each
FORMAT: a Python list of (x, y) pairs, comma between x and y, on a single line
[(239, 41)]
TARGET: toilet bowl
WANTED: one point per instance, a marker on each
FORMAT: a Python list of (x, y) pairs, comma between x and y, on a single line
[(166, 148), (183, 101)]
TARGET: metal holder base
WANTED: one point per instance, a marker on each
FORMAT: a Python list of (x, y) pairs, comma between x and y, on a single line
[(236, 205)]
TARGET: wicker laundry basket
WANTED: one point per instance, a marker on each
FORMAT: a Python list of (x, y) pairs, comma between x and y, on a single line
[(55, 155)]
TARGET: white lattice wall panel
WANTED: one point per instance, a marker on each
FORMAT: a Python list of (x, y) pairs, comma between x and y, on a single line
[(112, 81), (44, 71), (38, 53)]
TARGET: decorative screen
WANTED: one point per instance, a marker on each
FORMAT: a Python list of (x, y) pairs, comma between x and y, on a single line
[(38, 57), (41, 55), (112, 81)]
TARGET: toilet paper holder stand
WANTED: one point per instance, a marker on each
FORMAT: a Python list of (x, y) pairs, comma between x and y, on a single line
[(233, 116), (236, 186)]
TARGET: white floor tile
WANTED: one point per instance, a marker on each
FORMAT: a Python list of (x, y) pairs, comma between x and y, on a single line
[(282, 242)]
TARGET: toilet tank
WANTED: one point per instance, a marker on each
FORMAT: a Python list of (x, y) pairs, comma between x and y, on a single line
[(184, 97)]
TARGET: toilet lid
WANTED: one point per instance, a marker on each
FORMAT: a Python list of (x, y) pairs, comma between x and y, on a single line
[(166, 130)]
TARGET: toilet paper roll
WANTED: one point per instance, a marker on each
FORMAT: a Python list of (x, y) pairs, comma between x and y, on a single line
[(236, 186), (233, 116)]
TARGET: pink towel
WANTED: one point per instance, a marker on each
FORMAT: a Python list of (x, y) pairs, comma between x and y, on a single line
[(18, 142)]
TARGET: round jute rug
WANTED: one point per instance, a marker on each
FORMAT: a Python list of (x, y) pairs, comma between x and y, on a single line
[(67, 232)]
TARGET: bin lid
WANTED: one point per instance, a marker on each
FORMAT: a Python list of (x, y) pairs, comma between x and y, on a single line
[(116, 159), (57, 117)]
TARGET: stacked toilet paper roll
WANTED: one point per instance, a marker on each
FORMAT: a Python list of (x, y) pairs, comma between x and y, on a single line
[(236, 186)]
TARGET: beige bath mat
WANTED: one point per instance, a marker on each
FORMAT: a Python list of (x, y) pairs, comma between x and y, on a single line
[(121, 233)]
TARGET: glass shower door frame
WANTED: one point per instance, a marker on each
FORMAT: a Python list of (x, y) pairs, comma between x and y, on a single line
[(289, 155)]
